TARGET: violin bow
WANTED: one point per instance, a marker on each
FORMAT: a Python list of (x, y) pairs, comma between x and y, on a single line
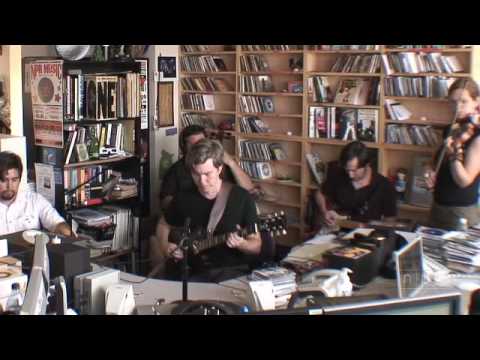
[(444, 147)]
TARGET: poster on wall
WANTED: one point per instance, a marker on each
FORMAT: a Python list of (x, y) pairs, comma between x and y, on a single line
[(167, 67), (165, 104), (45, 181), (47, 102), (143, 81)]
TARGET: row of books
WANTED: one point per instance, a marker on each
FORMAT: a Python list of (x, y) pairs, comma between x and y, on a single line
[(344, 47), (205, 84), (202, 63), (414, 63), (397, 111), (426, 46), (253, 63), (94, 138), (261, 150), (99, 97), (197, 119), (94, 178), (425, 86), (258, 83), (343, 124), (357, 64), (271, 47), (354, 91), (257, 104), (257, 169), (199, 48), (198, 102), (421, 135), (253, 124)]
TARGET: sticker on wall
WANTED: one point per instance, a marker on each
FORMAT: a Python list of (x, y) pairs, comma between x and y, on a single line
[(170, 132)]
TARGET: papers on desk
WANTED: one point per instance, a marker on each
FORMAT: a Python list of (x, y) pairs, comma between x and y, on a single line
[(283, 285), (309, 254)]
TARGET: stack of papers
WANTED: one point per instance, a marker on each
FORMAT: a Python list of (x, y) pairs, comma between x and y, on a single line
[(283, 281), (452, 248), (309, 255)]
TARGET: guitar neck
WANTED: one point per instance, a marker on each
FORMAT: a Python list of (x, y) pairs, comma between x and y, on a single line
[(214, 240)]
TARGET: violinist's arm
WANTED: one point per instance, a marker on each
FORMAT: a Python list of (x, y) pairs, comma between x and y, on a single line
[(464, 173)]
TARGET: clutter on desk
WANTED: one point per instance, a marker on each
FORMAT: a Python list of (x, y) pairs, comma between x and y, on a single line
[(457, 250), (108, 224), (283, 281)]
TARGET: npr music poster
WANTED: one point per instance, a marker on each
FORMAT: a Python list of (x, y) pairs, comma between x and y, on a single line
[(47, 102)]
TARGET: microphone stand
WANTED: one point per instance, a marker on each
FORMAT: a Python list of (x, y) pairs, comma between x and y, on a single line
[(185, 244)]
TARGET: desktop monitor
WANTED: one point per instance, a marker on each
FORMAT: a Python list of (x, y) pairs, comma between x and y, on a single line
[(440, 304), (409, 263), (36, 297)]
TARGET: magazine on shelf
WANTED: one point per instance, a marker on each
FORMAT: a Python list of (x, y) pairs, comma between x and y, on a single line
[(352, 91)]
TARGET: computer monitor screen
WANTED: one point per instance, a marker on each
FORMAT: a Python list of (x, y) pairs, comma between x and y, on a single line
[(409, 263), (36, 297), (444, 304)]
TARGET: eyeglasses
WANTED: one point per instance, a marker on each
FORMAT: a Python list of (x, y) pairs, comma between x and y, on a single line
[(352, 170)]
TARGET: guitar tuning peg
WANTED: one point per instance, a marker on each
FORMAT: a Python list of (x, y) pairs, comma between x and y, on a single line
[(284, 232)]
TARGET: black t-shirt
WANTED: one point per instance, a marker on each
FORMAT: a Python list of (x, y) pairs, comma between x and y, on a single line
[(240, 209), (367, 203), (179, 179), (448, 193)]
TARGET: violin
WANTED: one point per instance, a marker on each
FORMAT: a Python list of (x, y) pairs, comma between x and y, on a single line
[(463, 130)]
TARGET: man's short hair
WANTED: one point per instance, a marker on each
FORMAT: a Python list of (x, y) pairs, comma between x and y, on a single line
[(9, 160), (202, 151), (355, 149), (189, 131)]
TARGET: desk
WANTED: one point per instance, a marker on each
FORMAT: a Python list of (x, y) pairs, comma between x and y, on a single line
[(147, 292), (17, 245)]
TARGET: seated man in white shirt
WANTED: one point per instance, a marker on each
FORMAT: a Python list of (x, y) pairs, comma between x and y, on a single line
[(24, 210)]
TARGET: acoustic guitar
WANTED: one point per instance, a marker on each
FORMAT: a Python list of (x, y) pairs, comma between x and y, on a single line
[(273, 223)]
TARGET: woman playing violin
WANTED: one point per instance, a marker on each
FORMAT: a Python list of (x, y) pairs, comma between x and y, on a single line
[(456, 183)]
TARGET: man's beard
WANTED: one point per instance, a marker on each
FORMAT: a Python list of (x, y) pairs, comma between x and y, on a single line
[(7, 195)]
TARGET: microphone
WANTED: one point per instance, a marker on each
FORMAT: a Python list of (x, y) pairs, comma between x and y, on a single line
[(186, 226), (186, 231)]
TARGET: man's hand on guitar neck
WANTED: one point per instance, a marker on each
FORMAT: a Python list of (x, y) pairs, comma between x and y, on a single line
[(235, 241), (251, 244)]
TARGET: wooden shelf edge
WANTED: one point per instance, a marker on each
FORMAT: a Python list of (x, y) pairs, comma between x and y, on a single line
[(98, 162)]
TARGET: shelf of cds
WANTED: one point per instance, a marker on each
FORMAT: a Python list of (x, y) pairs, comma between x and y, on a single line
[(291, 109)]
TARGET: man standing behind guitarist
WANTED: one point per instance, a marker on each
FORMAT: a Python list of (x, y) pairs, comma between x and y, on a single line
[(205, 161)]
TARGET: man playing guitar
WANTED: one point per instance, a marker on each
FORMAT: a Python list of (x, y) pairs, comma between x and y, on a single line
[(205, 161)]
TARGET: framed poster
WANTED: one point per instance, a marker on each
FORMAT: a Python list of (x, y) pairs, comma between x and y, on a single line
[(47, 102), (165, 104), (167, 67)]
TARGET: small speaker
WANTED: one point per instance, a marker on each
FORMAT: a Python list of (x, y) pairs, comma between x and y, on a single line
[(68, 260)]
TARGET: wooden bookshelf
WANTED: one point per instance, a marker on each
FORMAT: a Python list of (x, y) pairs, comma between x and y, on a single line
[(289, 121)]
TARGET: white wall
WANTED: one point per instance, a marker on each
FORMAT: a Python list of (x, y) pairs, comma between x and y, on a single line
[(158, 139)]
